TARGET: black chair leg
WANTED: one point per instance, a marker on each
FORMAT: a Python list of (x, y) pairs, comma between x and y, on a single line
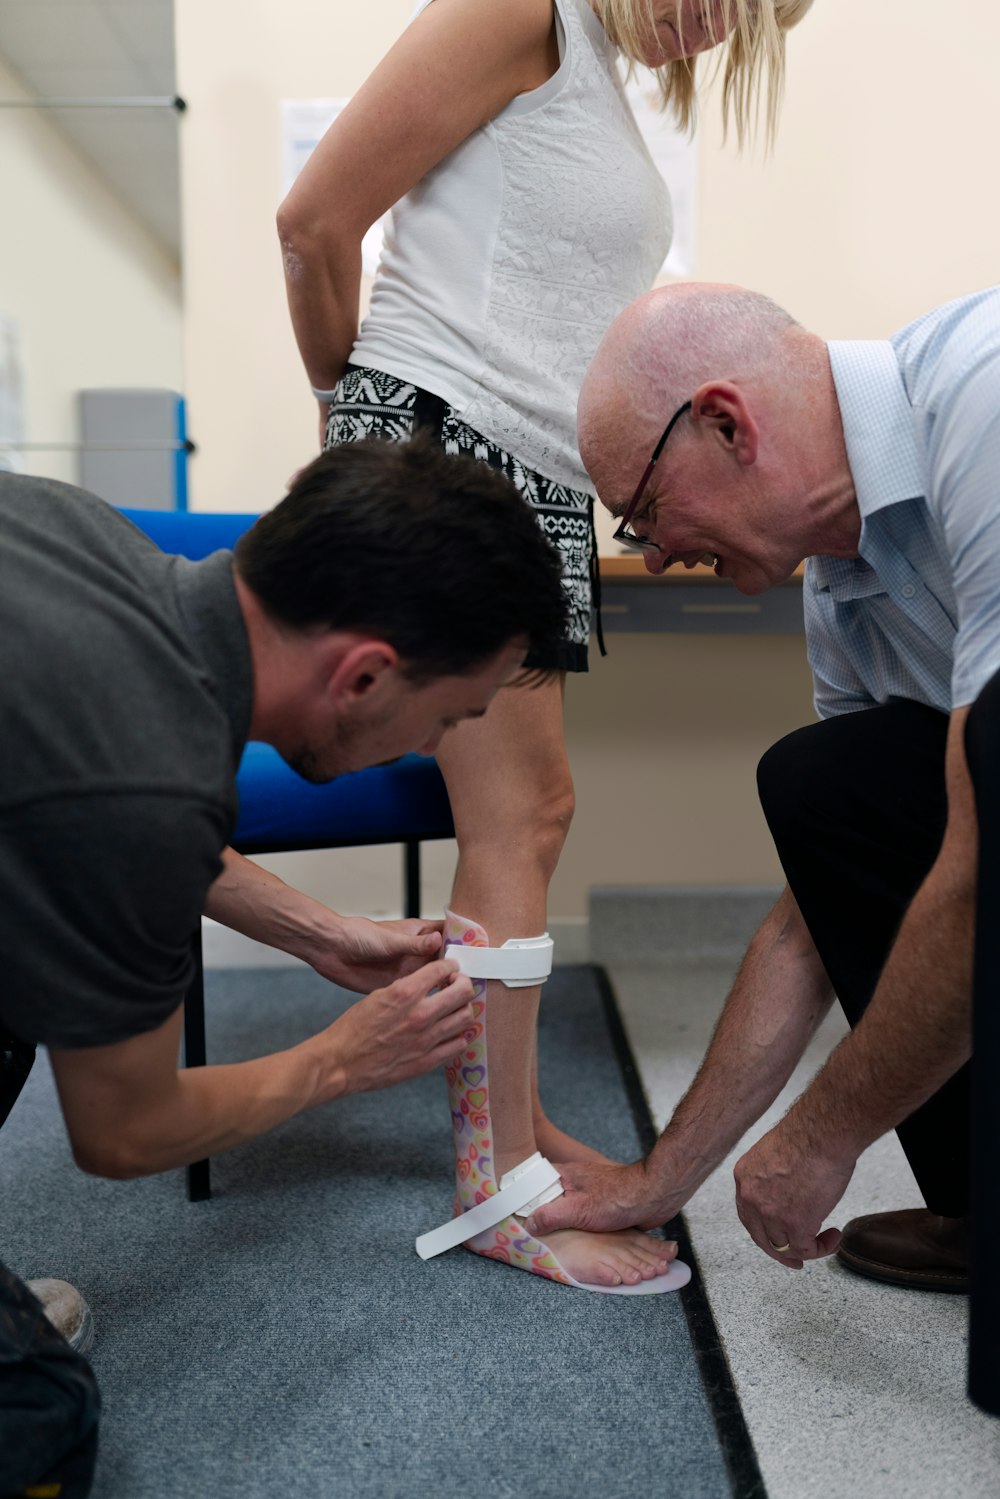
[(411, 879), (199, 1185)]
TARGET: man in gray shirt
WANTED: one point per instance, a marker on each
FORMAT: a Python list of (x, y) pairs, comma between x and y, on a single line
[(387, 598)]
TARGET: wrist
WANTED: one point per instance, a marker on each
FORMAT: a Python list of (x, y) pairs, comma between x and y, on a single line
[(326, 1072), (674, 1175), (318, 938), (816, 1132)]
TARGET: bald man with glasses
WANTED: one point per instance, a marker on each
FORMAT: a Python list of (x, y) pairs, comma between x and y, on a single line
[(879, 462)]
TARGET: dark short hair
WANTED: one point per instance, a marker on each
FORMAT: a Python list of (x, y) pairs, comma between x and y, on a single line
[(438, 555)]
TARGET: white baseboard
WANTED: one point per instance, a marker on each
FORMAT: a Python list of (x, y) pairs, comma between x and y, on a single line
[(224, 948)]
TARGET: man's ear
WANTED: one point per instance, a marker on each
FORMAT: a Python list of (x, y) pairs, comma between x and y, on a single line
[(722, 406), (363, 671)]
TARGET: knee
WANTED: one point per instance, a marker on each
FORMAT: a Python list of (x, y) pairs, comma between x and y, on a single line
[(548, 816), (537, 821), (787, 776)]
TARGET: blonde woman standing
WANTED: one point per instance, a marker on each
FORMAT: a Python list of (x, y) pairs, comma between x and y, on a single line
[(527, 213)]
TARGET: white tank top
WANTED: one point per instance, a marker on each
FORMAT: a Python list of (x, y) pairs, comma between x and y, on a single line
[(502, 269)]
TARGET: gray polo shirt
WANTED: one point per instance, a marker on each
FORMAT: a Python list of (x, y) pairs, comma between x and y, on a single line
[(125, 700)]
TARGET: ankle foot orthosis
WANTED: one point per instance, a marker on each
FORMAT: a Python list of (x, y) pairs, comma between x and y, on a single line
[(486, 1210)]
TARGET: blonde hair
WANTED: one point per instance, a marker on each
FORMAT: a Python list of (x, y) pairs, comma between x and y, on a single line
[(755, 55)]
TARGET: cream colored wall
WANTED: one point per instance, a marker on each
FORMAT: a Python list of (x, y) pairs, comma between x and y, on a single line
[(96, 299), (877, 204), (251, 410)]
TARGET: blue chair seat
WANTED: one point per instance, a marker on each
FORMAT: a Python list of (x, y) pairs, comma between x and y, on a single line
[(387, 804), (192, 533)]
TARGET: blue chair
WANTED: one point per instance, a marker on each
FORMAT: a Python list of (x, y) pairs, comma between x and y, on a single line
[(280, 813)]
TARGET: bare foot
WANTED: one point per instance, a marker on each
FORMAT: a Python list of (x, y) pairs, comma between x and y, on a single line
[(556, 1145), (624, 1258)]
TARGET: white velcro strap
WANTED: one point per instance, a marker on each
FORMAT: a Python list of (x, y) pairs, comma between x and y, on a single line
[(520, 963), (523, 1189)]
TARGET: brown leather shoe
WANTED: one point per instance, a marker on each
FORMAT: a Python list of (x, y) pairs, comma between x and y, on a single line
[(913, 1248)]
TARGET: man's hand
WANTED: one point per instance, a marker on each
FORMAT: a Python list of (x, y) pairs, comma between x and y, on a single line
[(403, 1030), (784, 1190), (363, 955), (603, 1198)]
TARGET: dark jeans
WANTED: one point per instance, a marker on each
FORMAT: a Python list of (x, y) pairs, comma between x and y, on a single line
[(48, 1395)]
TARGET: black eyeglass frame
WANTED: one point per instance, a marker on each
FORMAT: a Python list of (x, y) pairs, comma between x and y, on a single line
[(623, 534)]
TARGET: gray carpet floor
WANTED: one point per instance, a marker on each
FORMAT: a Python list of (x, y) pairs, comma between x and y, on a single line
[(284, 1338)]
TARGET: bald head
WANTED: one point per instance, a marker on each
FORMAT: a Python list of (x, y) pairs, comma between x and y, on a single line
[(661, 349)]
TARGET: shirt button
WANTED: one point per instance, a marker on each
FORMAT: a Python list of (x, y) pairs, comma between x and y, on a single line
[(908, 590)]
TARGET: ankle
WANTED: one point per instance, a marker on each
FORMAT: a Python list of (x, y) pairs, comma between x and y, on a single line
[(505, 1160)]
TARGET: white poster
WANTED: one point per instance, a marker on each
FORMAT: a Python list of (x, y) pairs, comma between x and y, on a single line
[(11, 394)]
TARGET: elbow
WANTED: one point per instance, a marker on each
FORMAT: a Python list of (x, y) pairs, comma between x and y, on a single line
[(115, 1160), (286, 222), (288, 237), (301, 238)]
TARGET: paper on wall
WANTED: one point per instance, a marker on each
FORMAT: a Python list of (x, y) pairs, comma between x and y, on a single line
[(11, 394)]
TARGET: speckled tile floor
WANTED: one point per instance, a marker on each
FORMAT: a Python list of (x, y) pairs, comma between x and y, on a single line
[(846, 1386)]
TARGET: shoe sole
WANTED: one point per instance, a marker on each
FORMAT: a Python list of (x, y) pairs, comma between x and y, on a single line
[(83, 1339), (895, 1275)]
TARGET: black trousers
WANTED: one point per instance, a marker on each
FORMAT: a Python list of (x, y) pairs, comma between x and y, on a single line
[(49, 1402), (982, 748), (857, 809)]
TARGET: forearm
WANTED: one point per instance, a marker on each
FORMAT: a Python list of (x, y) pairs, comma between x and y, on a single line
[(257, 903), (129, 1111), (915, 1034), (323, 284), (217, 1108), (780, 995)]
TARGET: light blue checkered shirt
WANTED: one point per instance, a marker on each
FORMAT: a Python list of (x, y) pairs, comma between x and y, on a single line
[(917, 614)]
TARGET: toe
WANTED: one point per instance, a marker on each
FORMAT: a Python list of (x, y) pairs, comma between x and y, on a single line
[(653, 1252), (606, 1274)]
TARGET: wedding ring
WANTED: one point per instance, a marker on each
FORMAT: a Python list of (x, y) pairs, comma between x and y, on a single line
[(779, 1248)]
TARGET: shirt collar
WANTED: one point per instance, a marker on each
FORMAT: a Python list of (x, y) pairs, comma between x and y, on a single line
[(881, 446)]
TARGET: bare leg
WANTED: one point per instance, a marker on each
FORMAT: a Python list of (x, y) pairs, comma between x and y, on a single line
[(512, 799), (553, 1142)]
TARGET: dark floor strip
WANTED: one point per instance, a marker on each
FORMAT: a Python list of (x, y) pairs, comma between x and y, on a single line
[(731, 1428)]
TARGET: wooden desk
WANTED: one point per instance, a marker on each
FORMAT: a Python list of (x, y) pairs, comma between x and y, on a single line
[(696, 602)]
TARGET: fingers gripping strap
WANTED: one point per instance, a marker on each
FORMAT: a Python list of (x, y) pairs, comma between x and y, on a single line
[(522, 1190), (519, 964)]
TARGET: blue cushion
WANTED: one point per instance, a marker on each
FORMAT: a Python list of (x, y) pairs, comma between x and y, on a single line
[(280, 811), (191, 533)]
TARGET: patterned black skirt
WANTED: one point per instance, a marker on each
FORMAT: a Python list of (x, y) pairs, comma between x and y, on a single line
[(369, 403)]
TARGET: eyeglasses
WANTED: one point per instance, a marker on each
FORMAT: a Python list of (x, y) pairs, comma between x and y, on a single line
[(623, 534)]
